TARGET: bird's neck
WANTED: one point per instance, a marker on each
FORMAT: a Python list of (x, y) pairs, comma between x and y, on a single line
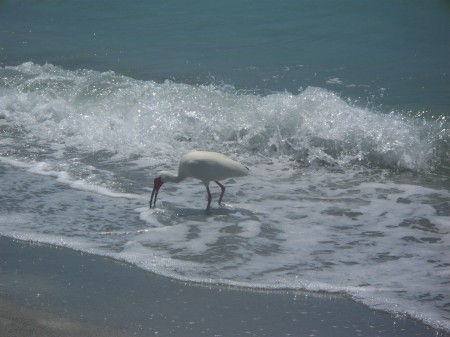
[(171, 177)]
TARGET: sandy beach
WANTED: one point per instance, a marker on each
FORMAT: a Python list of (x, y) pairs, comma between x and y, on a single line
[(51, 291), (19, 320)]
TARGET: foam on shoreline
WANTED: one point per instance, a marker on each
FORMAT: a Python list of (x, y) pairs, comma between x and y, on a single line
[(102, 292)]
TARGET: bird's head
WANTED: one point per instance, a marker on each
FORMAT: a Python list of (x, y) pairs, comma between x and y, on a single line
[(157, 183), (161, 178)]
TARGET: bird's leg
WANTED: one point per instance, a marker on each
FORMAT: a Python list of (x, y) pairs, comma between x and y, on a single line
[(223, 191), (209, 197)]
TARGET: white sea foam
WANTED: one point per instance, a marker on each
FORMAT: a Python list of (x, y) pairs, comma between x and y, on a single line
[(43, 168), (105, 111)]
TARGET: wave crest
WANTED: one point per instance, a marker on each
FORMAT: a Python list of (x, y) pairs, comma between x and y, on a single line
[(95, 111)]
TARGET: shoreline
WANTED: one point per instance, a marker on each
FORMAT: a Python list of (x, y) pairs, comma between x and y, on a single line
[(85, 294)]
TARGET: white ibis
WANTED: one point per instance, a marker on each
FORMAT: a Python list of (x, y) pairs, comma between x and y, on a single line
[(205, 166)]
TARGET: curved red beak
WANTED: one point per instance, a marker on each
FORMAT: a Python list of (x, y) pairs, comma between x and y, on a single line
[(157, 183)]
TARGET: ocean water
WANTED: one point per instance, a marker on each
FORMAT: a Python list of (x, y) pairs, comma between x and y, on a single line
[(340, 110)]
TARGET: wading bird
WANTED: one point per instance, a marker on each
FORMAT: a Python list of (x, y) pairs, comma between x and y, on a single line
[(205, 166)]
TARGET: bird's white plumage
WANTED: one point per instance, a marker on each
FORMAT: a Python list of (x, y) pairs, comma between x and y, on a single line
[(205, 166), (210, 166)]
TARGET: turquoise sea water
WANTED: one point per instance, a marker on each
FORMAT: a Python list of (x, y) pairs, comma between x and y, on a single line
[(390, 53), (340, 110)]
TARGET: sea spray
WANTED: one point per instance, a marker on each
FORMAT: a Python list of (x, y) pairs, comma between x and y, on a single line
[(93, 111)]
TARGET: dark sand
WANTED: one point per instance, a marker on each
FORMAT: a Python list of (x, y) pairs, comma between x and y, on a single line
[(50, 291)]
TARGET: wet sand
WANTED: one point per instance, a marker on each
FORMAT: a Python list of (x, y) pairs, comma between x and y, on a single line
[(51, 291), (21, 321)]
